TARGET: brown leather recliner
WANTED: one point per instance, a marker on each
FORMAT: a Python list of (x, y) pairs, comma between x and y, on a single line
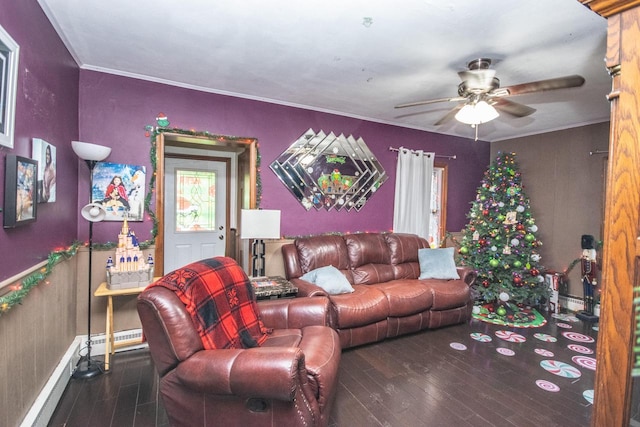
[(290, 380)]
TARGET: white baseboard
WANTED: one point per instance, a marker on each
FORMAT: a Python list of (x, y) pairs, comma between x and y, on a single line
[(47, 401)]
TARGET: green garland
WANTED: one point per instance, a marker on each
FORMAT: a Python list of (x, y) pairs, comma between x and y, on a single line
[(20, 290), (153, 132)]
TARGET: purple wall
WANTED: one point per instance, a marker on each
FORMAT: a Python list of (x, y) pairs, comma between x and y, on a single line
[(47, 108), (114, 111), (59, 103)]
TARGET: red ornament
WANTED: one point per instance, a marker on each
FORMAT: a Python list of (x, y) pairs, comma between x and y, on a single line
[(534, 272), (520, 227), (485, 212), (485, 283), (517, 280)]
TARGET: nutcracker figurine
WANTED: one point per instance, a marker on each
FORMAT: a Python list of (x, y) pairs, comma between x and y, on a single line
[(589, 278)]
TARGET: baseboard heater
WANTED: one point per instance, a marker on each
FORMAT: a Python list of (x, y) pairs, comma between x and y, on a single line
[(47, 401), (571, 303)]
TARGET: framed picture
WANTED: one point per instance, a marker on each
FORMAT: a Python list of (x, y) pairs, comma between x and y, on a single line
[(20, 183), (45, 154), (9, 51), (120, 189)]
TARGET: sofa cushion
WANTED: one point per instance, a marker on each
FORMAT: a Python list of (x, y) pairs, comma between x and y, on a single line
[(320, 251), (330, 279), (403, 251), (449, 294), (437, 264), (365, 305), (404, 247), (406, 297), (369, 258)]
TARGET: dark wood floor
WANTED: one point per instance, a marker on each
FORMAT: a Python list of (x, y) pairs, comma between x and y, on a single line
[(415, 380)]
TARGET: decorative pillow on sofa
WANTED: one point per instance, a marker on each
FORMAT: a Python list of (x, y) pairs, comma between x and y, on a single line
[(330, 279), (437, 264)]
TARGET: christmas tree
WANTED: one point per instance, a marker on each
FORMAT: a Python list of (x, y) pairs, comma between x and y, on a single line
[(500, 242)]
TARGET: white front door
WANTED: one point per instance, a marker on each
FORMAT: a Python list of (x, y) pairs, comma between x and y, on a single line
[(194, 211)]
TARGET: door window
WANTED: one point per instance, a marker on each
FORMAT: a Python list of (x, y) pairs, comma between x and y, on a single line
[(195, 207)]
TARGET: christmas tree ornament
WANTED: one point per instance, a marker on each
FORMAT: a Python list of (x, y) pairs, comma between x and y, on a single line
[(515, 242), (517, 264), (504, 296), (501, 311), (494, 263)]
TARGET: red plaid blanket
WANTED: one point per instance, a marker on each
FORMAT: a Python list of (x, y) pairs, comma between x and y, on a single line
[(219, 297)]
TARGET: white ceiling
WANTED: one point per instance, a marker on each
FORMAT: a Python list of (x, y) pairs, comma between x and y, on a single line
[(356, 58)]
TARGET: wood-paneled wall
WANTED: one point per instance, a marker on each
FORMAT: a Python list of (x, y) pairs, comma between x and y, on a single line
[(33, 338)]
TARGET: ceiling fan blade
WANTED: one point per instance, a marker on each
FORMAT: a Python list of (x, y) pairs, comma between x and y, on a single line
[(431, 101), (450, 115), (542, 85), (512, 108), (478, 78)]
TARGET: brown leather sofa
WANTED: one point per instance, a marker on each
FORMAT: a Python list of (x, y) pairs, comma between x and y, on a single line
[(388, 299), (290, 380)]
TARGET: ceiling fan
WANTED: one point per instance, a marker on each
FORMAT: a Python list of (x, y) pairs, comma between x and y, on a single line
[(481, 97)]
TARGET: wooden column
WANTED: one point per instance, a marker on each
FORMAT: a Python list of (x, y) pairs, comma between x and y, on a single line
[(621, 249)]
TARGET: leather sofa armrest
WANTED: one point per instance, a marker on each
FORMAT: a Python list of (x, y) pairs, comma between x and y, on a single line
[(295, 313), (266, 372), (467, 274), (308, 289)]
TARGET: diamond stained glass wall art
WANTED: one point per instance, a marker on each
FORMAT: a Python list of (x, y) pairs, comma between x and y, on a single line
[(329, 172)]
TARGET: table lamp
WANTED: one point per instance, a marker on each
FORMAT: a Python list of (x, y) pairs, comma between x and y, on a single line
[(259, 224)]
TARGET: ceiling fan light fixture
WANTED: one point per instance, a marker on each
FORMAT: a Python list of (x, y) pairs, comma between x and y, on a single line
[(477, 113)]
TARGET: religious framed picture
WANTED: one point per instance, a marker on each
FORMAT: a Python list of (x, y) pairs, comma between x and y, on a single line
[(9, 51), (120, 188), (20, 183), (45, 154)]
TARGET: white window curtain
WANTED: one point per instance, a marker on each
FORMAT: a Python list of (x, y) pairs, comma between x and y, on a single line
[(412, 200)]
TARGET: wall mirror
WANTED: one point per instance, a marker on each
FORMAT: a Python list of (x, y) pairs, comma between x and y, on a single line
[(329, 172)]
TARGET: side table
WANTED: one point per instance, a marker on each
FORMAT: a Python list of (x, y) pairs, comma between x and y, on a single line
[(273, 287), (109, 344)]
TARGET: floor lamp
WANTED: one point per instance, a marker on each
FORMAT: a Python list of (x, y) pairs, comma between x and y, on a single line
[(259, 224), (93, 212)]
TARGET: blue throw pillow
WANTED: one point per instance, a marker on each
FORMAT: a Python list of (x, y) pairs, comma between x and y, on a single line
[(437, 264), (330, 279)]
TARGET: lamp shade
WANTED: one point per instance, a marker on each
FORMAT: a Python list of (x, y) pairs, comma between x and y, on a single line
[(89, 151), (259, 224), (477, 113), (93, 212)]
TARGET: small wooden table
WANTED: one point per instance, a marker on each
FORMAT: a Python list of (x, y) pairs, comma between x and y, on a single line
[(109, 344)]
